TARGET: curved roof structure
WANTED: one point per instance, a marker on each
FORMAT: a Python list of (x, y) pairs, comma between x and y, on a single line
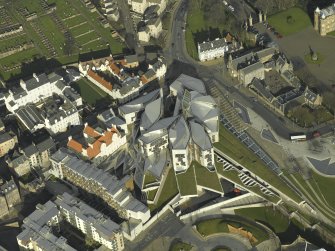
[(179, 134), (151, 114), (199, 136)]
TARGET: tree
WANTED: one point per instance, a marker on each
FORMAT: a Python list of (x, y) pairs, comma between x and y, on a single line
[(69, 44)]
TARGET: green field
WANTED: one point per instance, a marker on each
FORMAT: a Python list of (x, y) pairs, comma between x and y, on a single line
[(266, 215), (290, 21), (195, 24), (186, 182), (236, 150), (88, 91), (152, 194), (70, 13), (233, 176), (213, 226), (169, 190), (206, 178)]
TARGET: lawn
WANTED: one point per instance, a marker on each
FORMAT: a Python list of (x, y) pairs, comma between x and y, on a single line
[(231, 146), (149, 178), (290, 21), (331, 33), (309, 60), (152, 194), (326, 186), (187, 184), (195, 24), (177, 246), (266, 215), (169, 191), (232, 175), (88, 91), (206, 178), (65, 9), (220, 225)]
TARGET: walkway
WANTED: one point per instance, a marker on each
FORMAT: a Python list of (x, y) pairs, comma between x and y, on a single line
[(189, 235)]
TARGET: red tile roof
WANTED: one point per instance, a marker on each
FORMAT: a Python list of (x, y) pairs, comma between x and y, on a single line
[(100, 80), (144, 79), (114, 68), (95, 148), (74, 145), (91, 132)]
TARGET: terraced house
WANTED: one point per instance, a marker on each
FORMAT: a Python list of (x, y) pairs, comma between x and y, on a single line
[(105, 186)]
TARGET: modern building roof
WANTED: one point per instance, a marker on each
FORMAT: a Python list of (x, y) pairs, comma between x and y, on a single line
[(139, 103), (152, 113), (155, 164), (179, 134), (212, 45), (199, 136), (190, 83)]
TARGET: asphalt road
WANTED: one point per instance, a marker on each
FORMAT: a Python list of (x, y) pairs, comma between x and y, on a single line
[(177, 51), (167, 225), (131, 36)]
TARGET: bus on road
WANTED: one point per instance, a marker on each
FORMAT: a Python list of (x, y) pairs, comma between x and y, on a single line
[(298, 137)]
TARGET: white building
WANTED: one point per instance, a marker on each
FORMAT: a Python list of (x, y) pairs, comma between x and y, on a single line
[(90, 222), (97, 144), (153, 28), (140, 6), (212, 49), (100, 183), (35, 108), (38, 229)]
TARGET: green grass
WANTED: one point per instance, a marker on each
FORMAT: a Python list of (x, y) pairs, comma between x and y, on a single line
[(21, 56), (6, 44), (233, 176), (69, 23), (206, 178), (281, 21), (236, 150), (151, 194), (88, 91), (326, 185), (266, 215), (148, 178), (331, 33), (186, 182), (169, 190), (180, 246), (65, 8), (55, 36), (213, 226), (194, 24), (308, 58)]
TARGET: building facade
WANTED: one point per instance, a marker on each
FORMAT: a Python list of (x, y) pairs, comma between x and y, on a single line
[(212, 49), (324, 20), (95, 181)]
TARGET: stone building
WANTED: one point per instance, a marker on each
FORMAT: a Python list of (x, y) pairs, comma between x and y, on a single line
[(324, 20)]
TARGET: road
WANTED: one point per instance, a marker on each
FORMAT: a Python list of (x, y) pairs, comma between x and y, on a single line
[(167, 225), (131, 34), (177, 51)]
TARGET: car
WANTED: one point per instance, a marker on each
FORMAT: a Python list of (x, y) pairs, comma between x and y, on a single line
[(231, 8), (225, 3)]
